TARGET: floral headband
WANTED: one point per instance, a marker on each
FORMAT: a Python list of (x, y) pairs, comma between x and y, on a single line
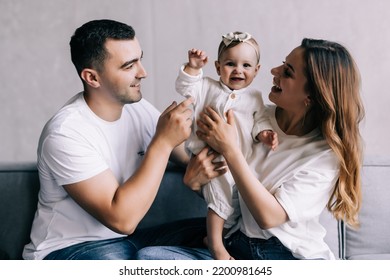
[(243, 37)]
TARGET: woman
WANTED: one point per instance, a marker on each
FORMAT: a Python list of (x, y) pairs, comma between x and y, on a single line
[(317, 163)]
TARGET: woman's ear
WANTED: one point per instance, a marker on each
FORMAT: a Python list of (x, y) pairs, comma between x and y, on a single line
[(308, 101), (218, 67), (90, 77)]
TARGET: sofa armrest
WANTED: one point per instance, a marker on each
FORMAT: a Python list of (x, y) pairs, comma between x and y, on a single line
[(19, 186), (371, 239)]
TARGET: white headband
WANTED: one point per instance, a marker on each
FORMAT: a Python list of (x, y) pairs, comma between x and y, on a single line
[(240, 37)]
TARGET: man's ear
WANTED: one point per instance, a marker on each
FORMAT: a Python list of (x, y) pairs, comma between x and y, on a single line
[(90, 77), (218, 67)]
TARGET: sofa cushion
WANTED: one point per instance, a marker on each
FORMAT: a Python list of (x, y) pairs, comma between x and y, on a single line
[(371, 239), (174, 201), (3, 255), (370, 257), (19, 186)]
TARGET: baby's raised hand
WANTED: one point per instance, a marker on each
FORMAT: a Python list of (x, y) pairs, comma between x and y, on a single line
[(197, 59)]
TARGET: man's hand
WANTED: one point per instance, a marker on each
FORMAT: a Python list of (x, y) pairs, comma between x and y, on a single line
[(202, 168), (174, 124)]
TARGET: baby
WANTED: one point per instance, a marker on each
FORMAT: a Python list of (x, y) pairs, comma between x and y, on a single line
[(237, 65)]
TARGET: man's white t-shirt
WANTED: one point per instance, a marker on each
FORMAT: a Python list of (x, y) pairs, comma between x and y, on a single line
[(76, 145)]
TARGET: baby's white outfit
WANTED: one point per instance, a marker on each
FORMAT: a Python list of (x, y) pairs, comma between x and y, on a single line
[(248, 107)]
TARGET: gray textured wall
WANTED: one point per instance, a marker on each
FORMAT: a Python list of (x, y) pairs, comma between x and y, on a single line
[(37, 77)]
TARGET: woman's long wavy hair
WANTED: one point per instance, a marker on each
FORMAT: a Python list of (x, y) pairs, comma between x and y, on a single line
[(334, 86)]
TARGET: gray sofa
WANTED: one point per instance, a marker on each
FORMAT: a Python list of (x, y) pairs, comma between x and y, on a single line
[(19, 185)]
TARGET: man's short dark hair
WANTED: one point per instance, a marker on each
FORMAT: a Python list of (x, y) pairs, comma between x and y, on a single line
[(87, 45)]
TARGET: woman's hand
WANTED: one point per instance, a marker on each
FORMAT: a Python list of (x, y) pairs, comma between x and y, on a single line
[(218, 134), (202, 168)]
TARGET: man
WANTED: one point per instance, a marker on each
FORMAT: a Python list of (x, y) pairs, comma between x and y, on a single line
[(101, 158)]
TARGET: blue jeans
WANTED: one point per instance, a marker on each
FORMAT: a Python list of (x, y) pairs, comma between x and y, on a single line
[(187, 233), (242, 247), (238, 245)]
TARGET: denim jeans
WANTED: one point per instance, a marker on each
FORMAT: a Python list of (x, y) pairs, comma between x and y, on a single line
[(242, 247), (188, 233), (238, 245), (173, 253)]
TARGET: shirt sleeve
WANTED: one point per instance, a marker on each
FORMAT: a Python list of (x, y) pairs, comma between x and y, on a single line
[(261, 120), (188, 85), (306, 193), (71, 158)]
